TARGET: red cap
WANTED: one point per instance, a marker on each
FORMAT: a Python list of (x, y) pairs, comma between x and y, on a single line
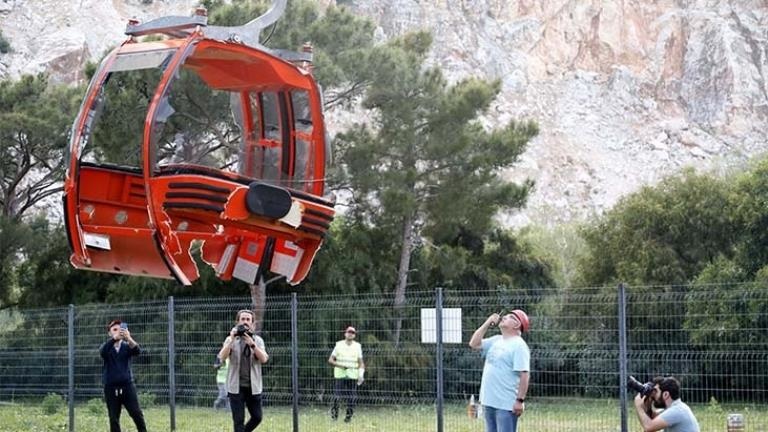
[(521, 316), (350, 329)]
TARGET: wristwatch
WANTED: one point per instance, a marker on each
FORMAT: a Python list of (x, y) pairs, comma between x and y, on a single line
[(521, 400)]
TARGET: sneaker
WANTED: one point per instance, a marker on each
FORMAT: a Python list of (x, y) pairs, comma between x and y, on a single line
[(347, 419), (334, 414)]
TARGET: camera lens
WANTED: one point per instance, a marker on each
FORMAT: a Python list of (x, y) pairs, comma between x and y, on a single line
[(634, 384), (643, 389)]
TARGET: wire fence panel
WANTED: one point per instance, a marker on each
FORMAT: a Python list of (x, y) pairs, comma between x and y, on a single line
[(33, 353), (713, 338)]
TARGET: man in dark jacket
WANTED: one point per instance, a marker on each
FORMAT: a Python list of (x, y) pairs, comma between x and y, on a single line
[(117, 377)]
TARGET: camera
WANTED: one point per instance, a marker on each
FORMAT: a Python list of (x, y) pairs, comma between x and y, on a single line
[(643, 389), (242, 330)]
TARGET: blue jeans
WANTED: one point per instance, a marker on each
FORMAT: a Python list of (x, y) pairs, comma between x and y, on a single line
[(498, 420)]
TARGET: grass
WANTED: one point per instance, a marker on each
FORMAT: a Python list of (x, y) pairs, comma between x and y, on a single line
[(547, 416)]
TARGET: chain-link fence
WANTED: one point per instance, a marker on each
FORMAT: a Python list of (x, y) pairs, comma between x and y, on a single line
[(713, 338)]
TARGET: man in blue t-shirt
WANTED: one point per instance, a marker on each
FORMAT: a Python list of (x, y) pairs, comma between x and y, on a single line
[(506, 372), (676, 417)]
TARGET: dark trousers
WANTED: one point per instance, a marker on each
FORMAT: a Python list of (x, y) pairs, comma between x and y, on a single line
[(118, 397), (346, 390), (238, 403)]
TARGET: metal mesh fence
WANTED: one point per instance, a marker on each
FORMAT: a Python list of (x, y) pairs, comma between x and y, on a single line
[(713, 338)]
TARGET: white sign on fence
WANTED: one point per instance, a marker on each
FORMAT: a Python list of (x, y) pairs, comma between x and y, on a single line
[(451, 325)]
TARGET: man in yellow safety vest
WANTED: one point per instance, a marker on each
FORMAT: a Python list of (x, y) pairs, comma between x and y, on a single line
[(348, 372)]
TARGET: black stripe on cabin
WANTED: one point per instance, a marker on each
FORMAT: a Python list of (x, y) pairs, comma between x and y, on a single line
[(196, 195), (193, 185), (193, 205), (314, 221), (312, 231), (318, 213)]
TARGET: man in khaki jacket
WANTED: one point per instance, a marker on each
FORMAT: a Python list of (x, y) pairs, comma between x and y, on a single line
[(246, 354)]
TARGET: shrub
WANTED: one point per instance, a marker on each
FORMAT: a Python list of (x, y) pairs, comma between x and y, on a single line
[(146, 400), (52, 403), (95, 406)]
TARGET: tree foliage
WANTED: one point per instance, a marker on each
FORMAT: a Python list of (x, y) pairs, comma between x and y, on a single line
[(749, 212), (425, 165), (661, 235), (34, 124)]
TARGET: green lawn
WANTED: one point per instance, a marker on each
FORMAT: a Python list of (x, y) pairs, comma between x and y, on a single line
[(556, 416)]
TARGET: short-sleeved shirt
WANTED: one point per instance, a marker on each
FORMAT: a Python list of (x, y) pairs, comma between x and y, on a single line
[(505, 360), (680, 418), (349, 356)]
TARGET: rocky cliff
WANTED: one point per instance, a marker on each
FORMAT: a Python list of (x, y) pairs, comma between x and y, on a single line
[(626, 91)]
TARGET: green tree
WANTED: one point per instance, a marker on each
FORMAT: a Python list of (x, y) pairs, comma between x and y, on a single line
[(656, 240), (356, 258), (660, 235), (560, 246), (425, 166), (484, 262), (726, 315), (34, 121), (45, 274), (13, 237), (750, 215)]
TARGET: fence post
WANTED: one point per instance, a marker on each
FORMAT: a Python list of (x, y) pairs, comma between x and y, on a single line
[(71, 366), (295, 360), (622, 303), (439, 357), (171, 364)]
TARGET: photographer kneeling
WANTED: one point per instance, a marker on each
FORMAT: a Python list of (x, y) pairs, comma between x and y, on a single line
[(676, 417)]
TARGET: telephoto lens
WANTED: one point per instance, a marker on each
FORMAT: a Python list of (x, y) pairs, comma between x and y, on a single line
[(643, 389)]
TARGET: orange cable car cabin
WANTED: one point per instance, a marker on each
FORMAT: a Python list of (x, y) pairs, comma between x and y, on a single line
[(198, 143)]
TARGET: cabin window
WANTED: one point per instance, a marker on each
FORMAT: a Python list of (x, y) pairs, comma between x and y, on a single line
[(302, 130), (272, 141), (115, 127)]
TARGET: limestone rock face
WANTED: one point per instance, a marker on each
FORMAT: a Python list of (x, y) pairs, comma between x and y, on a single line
[(60, 36), (626, 92)]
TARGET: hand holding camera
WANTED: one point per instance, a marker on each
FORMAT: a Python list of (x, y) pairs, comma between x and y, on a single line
[(244, 332)]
